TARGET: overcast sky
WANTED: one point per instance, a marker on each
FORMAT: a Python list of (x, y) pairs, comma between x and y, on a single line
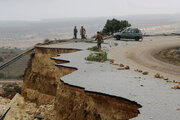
[(44, 9)]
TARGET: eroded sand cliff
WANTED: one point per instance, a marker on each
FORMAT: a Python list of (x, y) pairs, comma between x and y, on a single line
[(42, 86)]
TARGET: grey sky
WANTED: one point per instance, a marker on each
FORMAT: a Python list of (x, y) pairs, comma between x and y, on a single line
[(43, 9)]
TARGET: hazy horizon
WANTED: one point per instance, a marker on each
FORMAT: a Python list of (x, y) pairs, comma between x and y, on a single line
[(26, 34), (33, 10), (62, 28), (165, 15)]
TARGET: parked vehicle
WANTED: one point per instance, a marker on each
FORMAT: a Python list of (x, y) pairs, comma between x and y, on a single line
[(129, 33)]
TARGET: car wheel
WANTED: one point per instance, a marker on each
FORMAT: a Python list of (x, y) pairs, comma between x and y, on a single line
[(137, 39), (118, 37)]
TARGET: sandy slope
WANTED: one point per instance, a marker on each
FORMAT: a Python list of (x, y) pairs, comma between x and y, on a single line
[(139, 55)]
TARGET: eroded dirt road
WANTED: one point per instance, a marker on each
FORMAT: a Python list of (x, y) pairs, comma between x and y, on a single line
[(140, 55)]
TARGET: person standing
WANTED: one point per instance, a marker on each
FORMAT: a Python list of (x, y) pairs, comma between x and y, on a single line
[(75, 32), (99, 39), (84, 33), (81, 32)]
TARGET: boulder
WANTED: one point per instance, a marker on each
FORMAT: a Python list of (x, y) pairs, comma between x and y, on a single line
[(127, 67), (114, 64), (145, 73), (165, 78), (176, 87), (157, 75), (175, 81), (121, 65)]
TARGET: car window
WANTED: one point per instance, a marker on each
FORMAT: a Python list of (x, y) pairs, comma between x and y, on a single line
[(136, 31), (132, 31), (125, 31)]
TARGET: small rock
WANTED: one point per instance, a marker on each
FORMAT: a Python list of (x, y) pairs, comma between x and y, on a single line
[(127, 67), (157, 75), (165, 78), (114, 64), (121, 65), (137, 70), (121, 69), (145, 73), (175, 81), (176, 87)]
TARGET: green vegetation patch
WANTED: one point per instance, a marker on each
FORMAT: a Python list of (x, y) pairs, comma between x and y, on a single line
[(97, 57), (95, 48), (114, 25)]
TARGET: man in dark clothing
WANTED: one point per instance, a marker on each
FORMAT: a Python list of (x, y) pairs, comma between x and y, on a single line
[(75, 32), (99, 39), (82, 32)]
